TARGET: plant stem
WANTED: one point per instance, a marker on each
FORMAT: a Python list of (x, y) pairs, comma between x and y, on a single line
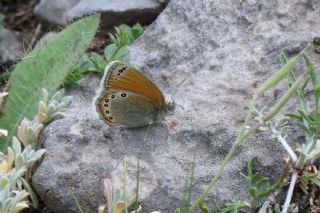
[(217, 175), (292, 90), (242, 135), (125, 185), (302, 159), (284, 143), (138, 181), (191, 183), (290, 191)]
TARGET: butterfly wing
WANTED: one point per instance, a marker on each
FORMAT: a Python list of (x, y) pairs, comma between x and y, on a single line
[(120, 76), (127, 108)]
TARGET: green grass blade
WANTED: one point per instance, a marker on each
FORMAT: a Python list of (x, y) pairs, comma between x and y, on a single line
[(77, 202), (44, 67), (191, 183), (138, 185), (124, 186), (316, 88)]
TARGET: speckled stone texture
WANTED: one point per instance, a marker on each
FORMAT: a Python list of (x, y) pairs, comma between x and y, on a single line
[(113, 12), (224, 50), (12, 46)]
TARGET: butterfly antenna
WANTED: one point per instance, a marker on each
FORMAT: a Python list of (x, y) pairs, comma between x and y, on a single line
[(183, 82)]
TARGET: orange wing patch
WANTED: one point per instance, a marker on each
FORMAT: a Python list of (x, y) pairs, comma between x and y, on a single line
[(121, 76)]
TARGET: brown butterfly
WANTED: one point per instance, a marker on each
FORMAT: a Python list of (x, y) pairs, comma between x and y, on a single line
[(128, 97)]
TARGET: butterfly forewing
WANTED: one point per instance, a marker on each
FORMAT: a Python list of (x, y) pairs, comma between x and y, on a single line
[(121, 76)]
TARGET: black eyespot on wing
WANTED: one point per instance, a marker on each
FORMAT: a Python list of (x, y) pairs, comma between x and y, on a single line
[(122, 69), (106, 105), (107, 111), (106, 100), (123, 94), (113, 96), (111, 118)]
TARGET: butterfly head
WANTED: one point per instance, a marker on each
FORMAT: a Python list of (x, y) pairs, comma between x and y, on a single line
[(170, 104)]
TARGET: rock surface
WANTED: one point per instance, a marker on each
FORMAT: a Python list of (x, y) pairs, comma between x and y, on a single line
[(114, 12), (224, 50), (11, 46)]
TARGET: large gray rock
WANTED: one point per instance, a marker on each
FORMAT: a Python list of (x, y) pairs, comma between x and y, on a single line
[(224, 50), (114, 12), (11, 46)]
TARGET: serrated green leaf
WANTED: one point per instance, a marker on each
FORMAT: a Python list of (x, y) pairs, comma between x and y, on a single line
[(203, 208), (136, 31), (98, 62), (110, 51), (122, 54), (86, 66), (258, 187)]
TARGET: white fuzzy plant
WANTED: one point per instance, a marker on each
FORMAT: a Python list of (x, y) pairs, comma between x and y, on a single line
[(119, 196), (14, 189)]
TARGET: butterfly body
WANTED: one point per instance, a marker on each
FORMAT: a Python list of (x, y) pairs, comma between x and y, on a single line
[(129, 98)]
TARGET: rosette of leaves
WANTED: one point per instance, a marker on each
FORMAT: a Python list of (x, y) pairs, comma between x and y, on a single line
[(28, 131), (117, 197), (49, 109), (116, 50), (14, 189), (53, 108)]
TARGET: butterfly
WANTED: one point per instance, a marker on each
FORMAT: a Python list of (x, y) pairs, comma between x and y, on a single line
[(127, 97)]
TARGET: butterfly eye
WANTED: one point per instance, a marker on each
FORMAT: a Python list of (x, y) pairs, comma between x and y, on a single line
[(123, 95)]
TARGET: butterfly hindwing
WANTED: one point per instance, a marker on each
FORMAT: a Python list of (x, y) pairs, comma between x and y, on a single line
[(126, 108)]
